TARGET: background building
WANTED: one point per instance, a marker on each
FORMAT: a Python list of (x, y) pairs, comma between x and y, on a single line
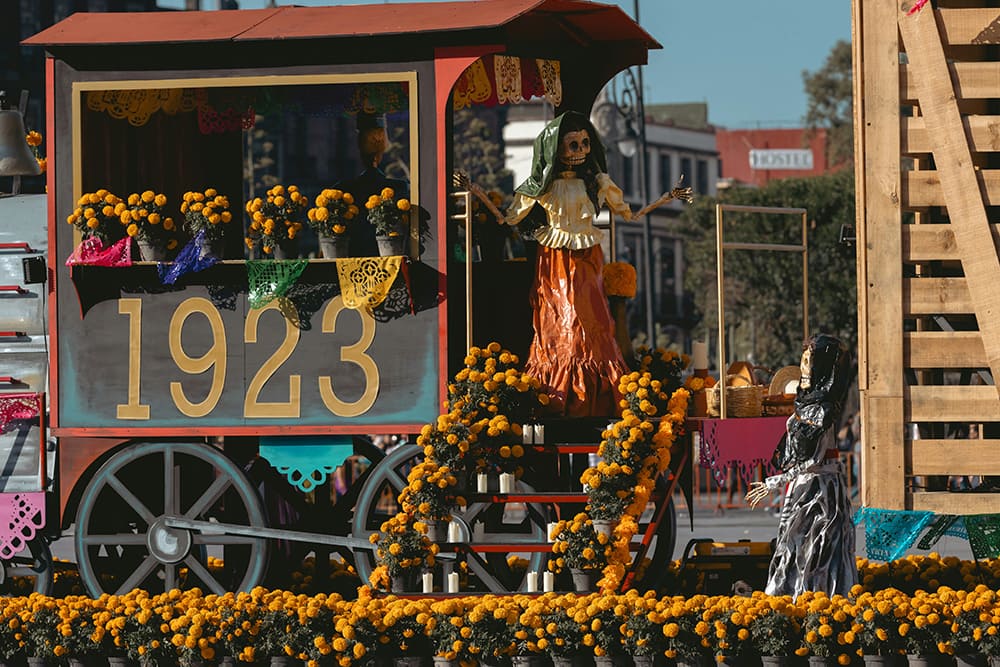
[(754, 157)]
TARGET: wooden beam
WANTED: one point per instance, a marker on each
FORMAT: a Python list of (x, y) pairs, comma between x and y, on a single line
[(973, 80), (936, 296), (953, 457), (883, 481), (944, 349), (860, 197), (927, 243), (923, 188), (983, 130), (951, 403), (973, 25), (957, 173), (943, 502)]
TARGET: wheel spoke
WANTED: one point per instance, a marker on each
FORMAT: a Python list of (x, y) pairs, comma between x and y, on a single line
[(141, 572), (395, 480), (115, 539), (201, 538), (212, 493), (206, 577), (130, 499), (169, 492), (169, 576)]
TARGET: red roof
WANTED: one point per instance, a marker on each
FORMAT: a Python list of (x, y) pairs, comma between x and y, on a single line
[(586, 20)]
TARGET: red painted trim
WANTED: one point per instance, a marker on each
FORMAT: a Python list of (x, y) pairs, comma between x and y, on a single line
[(24, 247), (17, 289), (449, 63), (50, 188), (137, 431)]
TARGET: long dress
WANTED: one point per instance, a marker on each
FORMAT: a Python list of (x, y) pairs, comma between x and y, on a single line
[(814, 550), (573, 353)]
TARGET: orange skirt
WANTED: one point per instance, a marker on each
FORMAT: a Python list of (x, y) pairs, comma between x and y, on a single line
[(574, 352)]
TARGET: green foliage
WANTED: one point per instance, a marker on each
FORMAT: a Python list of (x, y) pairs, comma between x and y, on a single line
[(829, 90), (764, 288)]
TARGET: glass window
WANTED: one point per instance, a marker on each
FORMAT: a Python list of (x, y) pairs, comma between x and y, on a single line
[(686, 173), (628, 175), (701, 180), (666, 176)]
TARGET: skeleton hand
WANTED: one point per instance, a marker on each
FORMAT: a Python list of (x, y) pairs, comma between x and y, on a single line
[(758, 492)]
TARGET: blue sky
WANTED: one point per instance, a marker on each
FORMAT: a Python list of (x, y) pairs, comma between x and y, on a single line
[(744, 57)]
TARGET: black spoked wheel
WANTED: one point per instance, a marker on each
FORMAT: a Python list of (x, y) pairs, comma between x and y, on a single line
[(29, 570), (124, 539)]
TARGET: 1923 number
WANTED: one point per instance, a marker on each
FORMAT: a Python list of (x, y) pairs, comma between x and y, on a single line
[(214, 360)]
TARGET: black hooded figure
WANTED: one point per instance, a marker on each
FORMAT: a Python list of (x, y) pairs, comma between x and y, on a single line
[(814, 550)]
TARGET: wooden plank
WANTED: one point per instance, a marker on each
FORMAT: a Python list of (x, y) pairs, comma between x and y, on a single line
[(973, 25), (936, 296), (953, 457), (943, 502), (944, 349), (957, 174), (973, 80), (951, 403), (883, 481), (860, 187), (983, 130), (923, 188), (926, 243)]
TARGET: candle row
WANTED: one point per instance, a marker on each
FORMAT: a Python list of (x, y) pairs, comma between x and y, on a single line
[(533, 434), (548, 582), (506, 482)]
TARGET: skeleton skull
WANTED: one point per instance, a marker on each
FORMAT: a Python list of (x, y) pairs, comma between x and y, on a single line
[(574, 148), (805, 366)]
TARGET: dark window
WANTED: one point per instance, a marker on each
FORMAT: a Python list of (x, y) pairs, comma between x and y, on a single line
[(686, 172), (718, 168), (628, 175), (702, 180), (666, 178)]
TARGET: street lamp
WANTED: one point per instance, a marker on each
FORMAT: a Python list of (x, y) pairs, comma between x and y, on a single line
[(620, 117)]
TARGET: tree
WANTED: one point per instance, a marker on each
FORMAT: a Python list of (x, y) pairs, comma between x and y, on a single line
[(830, 93), (763, 288), (478, 151)]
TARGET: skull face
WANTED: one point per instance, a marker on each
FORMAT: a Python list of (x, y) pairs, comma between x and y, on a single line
[(805, 366), (574, 148)]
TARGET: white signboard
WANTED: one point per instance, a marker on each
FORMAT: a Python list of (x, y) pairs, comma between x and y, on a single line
[(781, 158)]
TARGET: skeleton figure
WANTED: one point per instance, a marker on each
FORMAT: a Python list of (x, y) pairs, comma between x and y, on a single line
[(814, 550)]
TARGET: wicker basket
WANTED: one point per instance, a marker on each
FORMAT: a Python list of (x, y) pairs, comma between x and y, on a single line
[(779, 405), (743, 401)]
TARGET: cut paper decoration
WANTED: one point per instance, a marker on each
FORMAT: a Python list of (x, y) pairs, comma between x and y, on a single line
[(21, 516), (365, 281), (747, 442), (92, 252), (943, 524), (507, 71), (270, 279), (306, 461), (984, 535), (17, 407), (195, 256), (889, 533)]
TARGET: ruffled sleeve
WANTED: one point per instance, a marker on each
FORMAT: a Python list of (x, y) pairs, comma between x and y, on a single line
[(610, 194), (520, 208)]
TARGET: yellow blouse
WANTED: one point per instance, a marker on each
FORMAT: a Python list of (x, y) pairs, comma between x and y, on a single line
[(570, 212)]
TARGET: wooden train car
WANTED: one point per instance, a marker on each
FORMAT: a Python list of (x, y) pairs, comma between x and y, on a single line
[(164, 396)]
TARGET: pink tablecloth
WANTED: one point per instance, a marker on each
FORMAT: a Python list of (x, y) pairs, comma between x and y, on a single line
[(743, 442)]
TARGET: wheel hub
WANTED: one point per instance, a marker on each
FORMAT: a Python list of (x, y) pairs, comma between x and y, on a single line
[(168, 545)]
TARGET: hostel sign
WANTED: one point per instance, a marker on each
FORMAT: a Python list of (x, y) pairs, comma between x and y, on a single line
[(781, 158)]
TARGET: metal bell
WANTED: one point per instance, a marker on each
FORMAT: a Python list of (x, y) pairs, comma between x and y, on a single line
[(15, 155)]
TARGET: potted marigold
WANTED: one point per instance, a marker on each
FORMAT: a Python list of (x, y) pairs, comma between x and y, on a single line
[(145, 221), (876, 626), (389, 217), (401, 550), (445, 628), (429, 496), (331, 220), (775, 630), (275, 221), (824, 627), (642, 634), (489, 635), (971, 613), (563, 640), (492, 383), (98, 215), (207, 212), (447, 440), (925, 630), (580, 548), (663, 365)]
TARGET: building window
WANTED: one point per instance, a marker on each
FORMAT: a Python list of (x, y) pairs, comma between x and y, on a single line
[(628, 174), (701, 181), (686, 173), (666, 176)]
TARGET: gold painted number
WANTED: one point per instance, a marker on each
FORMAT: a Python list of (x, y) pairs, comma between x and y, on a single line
[(133, 409), (214, 358), (252, 407), (354, 354)]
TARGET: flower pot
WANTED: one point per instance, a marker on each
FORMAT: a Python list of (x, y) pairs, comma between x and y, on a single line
[(605, 526), (35, 662), (333, 247), (285, 661), (643, 660), (701, 661), (930, 660), (531, 660), (211, 247), (994, 660), (286, 250), (119, 661), (151, 253), (823, 661), (971, 660), (403, 583), (407, 661), (736, 660), (781, 661), (389, 246), (576, 660), (617, 660), (441, 661), (585, 581), (437, 531)]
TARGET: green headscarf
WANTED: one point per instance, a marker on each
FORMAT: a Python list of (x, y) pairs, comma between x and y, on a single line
[(545, 160)]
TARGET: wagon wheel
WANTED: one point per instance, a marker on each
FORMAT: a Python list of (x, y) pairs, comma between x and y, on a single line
[(664, 540), (29, 570), (122, 541), (377, 503)]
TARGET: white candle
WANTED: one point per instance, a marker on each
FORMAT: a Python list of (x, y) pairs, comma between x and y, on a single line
[(699, 355), (551, 530), (428, 579), (482, 483), (506, 482), (478, 532), (527, 434), (454, 532), (548, 582), (539, 430), (532, 582), (453, 582)]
